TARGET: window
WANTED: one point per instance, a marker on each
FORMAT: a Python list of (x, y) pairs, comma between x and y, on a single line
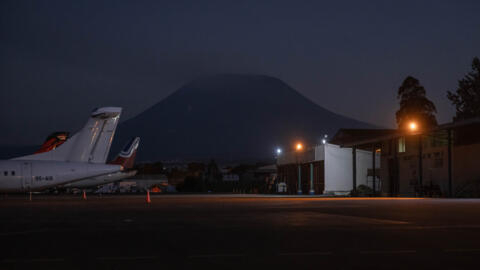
[(401, 145), (5, 173), (13, 172), (439, 139)]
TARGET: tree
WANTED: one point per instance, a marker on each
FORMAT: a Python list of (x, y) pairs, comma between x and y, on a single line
[(414, 105), (467, 96)]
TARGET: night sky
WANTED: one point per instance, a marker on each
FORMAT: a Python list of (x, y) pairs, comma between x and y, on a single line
[(60, 59)]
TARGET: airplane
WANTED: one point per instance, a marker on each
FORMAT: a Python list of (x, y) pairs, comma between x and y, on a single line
[(80, 157), (125, 158)]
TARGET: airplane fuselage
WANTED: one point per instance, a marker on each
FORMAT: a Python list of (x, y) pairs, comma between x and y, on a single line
[(100, 180), (33, 175)]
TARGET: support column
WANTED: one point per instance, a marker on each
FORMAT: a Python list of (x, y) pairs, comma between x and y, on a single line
[(396, 176), (420, 162), (312, 189), (373, 171), (354, 170), (450, 187), (299, 190)]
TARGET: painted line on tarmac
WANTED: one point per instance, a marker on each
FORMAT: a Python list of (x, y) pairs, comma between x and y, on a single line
[(365, 220), (445, 227), (320, 253), (381, 221), (125, 258), (387, 251), (216, 255), (328, 253), (35, 260), (461, 250)]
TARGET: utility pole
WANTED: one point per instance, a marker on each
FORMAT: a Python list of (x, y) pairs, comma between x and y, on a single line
[(420, 162), (373, 170), (450, 187), (354, 171)]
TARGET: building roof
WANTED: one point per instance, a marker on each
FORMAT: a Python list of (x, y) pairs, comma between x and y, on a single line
[(267, 169), (365, 140), (347, 136)]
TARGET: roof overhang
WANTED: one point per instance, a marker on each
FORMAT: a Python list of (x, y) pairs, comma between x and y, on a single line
[(447, 126)]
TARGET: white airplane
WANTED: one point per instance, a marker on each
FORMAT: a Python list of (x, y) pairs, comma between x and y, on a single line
[(125, 158), (82, 156)]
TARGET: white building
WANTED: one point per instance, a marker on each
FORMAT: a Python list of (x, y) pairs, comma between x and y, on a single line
[(327, 169)]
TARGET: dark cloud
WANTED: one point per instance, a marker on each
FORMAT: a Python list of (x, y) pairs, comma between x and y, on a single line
[(60, 59)]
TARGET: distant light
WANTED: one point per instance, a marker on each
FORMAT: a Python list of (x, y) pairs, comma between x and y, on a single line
[(299, 146), (279, 151), (412, 126), (324, 141)]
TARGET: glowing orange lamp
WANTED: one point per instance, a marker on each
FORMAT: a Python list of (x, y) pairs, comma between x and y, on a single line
[(412, 126), (299, 146)]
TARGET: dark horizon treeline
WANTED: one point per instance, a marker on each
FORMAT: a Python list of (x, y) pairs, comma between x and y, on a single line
[(208, 177)]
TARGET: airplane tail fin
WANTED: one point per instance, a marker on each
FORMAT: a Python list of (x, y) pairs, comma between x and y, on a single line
[(91, 144), (126, 157), (53, 141)]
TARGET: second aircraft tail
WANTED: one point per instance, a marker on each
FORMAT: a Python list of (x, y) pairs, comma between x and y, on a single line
[(126, 157)]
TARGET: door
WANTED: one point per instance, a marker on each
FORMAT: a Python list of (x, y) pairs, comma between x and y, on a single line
[(27, 175)]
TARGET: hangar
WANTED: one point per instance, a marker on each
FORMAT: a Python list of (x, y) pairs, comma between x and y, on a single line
[(327, 169)]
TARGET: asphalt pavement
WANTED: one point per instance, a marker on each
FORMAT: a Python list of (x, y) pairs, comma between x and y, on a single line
[(237, 232)]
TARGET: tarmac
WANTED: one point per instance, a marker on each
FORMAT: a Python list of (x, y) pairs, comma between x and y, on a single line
[(237, 232)]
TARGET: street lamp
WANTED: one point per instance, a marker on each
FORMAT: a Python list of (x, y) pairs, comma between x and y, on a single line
[(412, 126), (299, 148), (278, 151), (324, 140)]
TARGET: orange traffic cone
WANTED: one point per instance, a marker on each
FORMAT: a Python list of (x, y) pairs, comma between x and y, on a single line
[(84, 195), (148, 196)]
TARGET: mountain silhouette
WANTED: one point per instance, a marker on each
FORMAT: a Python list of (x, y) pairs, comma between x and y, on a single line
[(230, 117)]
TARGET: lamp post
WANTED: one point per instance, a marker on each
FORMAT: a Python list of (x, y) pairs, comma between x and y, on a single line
[(278, 152), (299, 148), (312, 191), (449, 150), (413, 127)]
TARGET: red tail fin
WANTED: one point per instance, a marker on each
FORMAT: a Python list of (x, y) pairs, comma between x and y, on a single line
[(53, 141), (126, 157)]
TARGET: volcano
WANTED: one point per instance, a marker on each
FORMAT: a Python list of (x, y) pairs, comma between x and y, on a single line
[(230, 117)]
